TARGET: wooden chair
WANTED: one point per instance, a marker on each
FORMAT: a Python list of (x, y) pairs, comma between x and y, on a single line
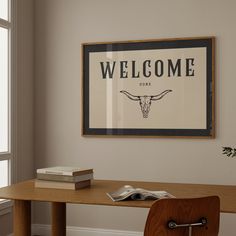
[(184, 217)]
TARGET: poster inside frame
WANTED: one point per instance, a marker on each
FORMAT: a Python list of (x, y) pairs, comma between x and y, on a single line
[(152, 88)]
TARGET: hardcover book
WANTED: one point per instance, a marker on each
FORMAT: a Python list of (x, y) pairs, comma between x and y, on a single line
[(64, 178), (61, 185), (64, 170)]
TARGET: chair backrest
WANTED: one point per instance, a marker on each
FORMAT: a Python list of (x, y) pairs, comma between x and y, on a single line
[(184, 211)]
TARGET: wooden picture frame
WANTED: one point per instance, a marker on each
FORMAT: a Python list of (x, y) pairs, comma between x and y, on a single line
[(149, 88)]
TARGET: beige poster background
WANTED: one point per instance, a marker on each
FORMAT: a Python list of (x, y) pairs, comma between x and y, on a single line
[(183, 108)]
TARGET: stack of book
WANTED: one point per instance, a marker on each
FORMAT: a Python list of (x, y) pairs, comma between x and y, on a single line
[(60, 177)]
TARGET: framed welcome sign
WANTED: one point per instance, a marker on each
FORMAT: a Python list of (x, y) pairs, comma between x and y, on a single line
[(149, 88)]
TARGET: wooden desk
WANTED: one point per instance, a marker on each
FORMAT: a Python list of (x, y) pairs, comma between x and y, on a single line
[(23, 193)]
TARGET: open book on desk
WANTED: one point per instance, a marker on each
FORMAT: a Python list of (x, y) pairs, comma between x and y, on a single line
[(128, 192)]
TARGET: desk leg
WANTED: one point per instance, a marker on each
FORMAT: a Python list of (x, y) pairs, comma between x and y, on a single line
[(22, 218), (58, 219)]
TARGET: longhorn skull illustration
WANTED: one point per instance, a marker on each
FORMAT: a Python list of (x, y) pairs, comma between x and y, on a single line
[(145, 100)]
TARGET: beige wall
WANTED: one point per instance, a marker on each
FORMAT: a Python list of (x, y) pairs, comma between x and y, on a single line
[(25, 89), (5, 224), (60, 28), (24, 158)]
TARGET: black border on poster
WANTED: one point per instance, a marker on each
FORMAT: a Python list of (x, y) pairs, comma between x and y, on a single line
[(208, 42)]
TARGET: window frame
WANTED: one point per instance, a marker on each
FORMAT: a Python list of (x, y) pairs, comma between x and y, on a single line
[(10, 155)]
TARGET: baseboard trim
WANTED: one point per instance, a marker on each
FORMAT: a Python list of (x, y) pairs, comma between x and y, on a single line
[(45, 230)]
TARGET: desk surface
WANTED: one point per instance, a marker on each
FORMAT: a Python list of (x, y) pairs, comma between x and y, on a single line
[(96, 193)]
